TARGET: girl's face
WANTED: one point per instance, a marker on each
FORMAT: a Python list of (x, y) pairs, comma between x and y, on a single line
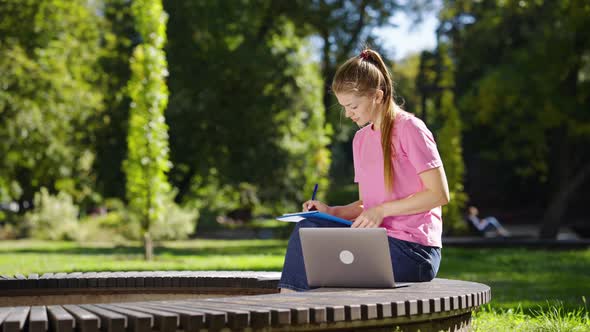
[(361, 109)]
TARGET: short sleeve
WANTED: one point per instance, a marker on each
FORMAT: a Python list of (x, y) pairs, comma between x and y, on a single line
[(418, 143)]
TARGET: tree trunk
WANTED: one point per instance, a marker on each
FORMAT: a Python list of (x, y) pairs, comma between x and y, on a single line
[(326, 74), (567, 185), (558, 204), (148, 246)]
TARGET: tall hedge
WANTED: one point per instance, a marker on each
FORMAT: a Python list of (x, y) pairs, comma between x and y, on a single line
[(147, 141)]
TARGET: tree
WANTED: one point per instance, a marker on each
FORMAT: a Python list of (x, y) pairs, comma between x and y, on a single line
[(49, 53), (435, 86), (245, 107), (147, 142), (534, 115), (119, 36), (449, 140)]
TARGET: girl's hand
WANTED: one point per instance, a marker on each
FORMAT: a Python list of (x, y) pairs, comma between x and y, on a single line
[(370, 218), (315, 205)]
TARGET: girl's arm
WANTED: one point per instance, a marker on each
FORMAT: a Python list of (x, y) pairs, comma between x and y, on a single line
[(435, 193), (348, 212)]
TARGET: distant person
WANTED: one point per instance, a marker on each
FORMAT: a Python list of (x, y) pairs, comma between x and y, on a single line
[(486, 224)]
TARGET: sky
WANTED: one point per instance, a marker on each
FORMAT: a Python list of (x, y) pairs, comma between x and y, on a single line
[(405, 38), (400, 40)]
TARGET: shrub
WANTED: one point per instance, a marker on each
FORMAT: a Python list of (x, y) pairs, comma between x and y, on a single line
[(54, 217), (176, 223), (116, 225)]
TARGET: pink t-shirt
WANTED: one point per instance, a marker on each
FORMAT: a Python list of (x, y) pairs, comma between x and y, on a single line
[(414, 152)]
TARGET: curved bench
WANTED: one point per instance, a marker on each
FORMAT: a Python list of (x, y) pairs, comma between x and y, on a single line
[(193, 301)]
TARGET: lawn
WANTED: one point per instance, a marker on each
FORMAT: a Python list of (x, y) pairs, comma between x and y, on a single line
[(531, 289)]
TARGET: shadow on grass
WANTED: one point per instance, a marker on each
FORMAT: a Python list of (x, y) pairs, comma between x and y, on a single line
[(159, 250)]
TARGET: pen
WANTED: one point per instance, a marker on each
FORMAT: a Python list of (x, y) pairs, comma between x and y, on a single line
[(315, 191)]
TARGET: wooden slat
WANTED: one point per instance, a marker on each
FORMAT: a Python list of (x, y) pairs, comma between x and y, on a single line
[(446, 304), (137, 321), (85, 320), (435, 304), (384, 310), (424, 306), (214, 319), (163, 321), (8, 282), (337, 307), (398, 308), (111, 279), (280, 313), (190, 321), (59, 319), (355, 308), (411, 307), (164, 280), (129, 279), (211, 319), (32, 281), (186, 281), (4, 312), (261, 316), (22, 282), (73, 279), (455, 302), (236, 319), (15, 321), (120, 279), (300, 313), (61, 280), (38, 320), (84, 280), (149, 280), (101, 279), (47, 281), (369, 311), (462, 301), (109, 321)]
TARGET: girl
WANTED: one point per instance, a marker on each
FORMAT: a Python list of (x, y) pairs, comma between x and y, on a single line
[(402, 183)]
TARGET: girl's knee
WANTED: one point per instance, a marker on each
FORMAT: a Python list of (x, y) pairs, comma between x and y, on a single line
[(306, 223)]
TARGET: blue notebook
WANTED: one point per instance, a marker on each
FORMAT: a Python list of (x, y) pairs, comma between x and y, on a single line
[(297, 217)]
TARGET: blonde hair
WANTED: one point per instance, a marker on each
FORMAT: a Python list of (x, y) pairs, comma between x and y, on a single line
[(363, 75)]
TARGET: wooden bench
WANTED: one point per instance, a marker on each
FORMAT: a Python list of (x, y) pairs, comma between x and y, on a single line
[(245, 301)]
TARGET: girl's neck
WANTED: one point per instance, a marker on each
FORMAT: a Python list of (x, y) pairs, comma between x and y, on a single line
[(376, 126), (376, 123)]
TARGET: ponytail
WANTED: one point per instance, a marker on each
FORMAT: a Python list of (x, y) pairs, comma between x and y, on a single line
[(387, 116)]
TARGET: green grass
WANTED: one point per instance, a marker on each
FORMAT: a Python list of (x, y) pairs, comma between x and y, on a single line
[(552, 318), (40, 257), (532, 290)]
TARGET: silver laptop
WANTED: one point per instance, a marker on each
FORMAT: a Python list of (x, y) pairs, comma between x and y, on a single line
[(347, 257)]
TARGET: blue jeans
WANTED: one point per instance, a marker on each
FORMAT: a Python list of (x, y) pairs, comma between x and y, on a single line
[(412, 262), (490, 224)]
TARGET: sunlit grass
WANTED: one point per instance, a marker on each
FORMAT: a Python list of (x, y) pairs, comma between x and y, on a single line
[(550, 318), (39, 257)]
